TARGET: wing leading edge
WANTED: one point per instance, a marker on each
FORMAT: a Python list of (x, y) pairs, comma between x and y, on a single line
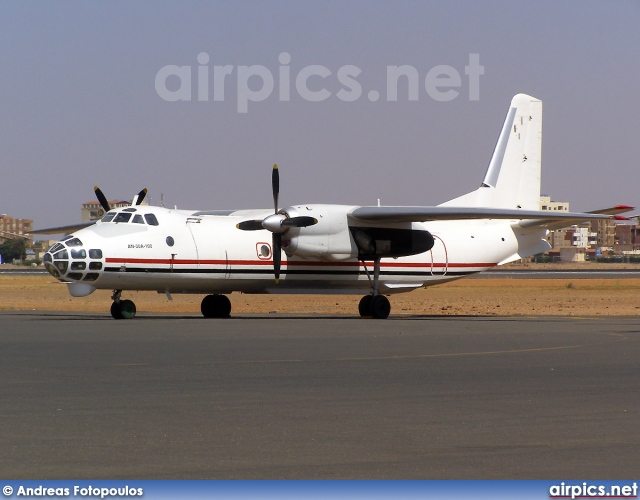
[(63, 229), (530, 218)]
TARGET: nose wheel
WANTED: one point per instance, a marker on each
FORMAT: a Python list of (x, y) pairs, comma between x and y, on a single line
[(123, 309)]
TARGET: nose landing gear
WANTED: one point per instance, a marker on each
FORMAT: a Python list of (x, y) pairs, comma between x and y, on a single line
[(122, 309)]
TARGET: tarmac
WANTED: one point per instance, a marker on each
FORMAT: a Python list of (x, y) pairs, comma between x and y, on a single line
[(316, 397)]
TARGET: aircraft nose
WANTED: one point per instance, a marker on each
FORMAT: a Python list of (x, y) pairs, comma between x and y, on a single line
[(70, 260)]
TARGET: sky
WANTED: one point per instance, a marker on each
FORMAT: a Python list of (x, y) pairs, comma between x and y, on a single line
[(96, 93)]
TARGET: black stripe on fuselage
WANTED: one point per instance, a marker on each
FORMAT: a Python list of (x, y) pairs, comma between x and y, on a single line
[(292, 272)]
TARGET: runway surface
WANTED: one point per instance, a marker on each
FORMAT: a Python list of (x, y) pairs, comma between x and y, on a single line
[(88, 397)]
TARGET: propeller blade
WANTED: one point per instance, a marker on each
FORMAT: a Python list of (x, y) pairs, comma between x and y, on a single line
[(250, 225), (102, 198), (140, 196), (302, 221), (275, 186), (276, 240)]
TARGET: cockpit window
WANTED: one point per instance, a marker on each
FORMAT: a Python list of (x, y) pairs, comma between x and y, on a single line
[(78, 254), (108, 217), (122, 217), (75, 242), (151, 219), (137, 219), (129, 209)]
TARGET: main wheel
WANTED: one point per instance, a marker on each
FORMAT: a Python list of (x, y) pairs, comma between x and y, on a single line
[(123, 309), (380, 307), (364, 307), (216, 306)]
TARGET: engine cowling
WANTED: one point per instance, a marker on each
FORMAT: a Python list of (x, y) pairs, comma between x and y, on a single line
[(329, 239)]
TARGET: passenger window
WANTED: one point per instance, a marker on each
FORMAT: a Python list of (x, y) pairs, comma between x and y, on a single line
[(137, 219), (151, 219), (78, 254), (122, 217), (108, 217), (95, 253)]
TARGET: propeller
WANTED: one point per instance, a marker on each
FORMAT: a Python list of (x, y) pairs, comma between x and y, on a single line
[(137, 199), (277, 223), (102, 199), (276, 238)]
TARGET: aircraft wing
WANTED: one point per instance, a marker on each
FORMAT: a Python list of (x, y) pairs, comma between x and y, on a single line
[(63, 229), (610, 213), (424, 214)]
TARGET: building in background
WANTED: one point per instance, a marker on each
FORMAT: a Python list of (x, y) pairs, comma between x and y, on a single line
[(626, 239), (558, 206), (92, 210), (11, 228)]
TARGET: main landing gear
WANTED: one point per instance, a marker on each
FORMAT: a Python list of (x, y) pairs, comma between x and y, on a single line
[(216, 306), (374, 305)]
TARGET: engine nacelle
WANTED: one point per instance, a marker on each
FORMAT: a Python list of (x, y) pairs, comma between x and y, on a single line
[(329, 239), (333, 239)]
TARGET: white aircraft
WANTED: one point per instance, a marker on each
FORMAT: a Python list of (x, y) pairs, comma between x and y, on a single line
[(375, 250)]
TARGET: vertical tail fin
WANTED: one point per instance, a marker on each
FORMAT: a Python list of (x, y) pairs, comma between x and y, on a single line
[(512, 179)]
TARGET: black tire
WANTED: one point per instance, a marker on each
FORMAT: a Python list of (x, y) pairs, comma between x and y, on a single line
[(124, 309), (216, 306), (115, 311), (380, 307), (127, 309), (364, 307)]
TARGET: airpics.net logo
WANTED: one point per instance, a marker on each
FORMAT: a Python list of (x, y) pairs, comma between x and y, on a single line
[(313, 83)]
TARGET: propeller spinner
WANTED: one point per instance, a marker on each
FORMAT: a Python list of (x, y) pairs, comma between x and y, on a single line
[(277, 224)]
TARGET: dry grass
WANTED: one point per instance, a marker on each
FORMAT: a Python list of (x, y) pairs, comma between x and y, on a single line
[(490, 296)]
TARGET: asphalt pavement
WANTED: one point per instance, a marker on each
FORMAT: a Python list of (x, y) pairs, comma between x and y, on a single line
[(295, 397)]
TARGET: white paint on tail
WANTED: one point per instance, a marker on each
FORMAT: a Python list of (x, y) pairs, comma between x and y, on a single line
[(512, 180)]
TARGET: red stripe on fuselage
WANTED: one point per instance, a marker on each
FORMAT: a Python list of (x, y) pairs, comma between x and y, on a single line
[(297, 263)]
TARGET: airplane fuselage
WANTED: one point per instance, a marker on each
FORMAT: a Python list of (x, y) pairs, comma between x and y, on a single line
[(178, 251)]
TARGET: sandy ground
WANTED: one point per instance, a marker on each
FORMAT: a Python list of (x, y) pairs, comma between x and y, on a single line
[(491, 296)]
